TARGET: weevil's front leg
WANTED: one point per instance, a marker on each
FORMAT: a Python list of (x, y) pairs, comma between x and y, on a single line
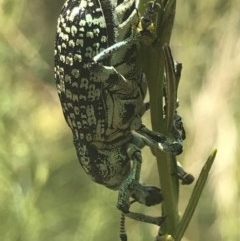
[(116, 47), (131, 188), (154, 139), (158, 140), (150, 14), (142, 35)]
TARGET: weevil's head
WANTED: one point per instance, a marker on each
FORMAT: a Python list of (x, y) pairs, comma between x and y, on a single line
[(108, 165)]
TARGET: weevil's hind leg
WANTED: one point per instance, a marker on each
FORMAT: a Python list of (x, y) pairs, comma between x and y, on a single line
[(154, 197), (130, 188)]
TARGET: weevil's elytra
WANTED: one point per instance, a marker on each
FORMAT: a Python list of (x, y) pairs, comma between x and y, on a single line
[(98, 105), (103, 100)]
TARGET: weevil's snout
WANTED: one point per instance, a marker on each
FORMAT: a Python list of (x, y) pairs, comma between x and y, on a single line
[(107, 166)]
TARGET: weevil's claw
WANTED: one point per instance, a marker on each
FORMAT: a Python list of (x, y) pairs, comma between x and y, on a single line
[(147, 195), (160, 220), (187, 179), (146, 219), (176, 148)]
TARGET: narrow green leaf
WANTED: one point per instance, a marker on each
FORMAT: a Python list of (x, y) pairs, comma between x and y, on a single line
[(170, 85), (197, 191)]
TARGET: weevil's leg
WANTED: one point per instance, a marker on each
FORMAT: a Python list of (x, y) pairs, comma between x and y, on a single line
[(154, 139), (124, 26), (103, 72), (143, 87), (144, 34), (145, 107), (178, 131), (145, 218), (127, 189), (122, 231), (113, 80), (128, 185), (150, 14), (127, 22), (170, 87), (186, 178), (158, 140), (116, 47), (138, 36), (147, 195)]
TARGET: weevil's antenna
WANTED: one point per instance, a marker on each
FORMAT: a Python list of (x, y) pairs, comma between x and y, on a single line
[(122, 230), (123, 235)]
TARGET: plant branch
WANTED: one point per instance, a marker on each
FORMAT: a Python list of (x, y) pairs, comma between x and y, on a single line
[(154, 69)]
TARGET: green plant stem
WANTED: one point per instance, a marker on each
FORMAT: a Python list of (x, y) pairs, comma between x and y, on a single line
[(154, 69), (154, 60)]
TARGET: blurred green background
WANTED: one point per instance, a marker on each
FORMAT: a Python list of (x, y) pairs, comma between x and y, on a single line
[(45, 195)]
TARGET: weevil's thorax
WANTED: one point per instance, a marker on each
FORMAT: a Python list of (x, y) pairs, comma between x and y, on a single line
[(127, 61)]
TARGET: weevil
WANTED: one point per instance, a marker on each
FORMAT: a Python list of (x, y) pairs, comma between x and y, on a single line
[(102, 87)]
